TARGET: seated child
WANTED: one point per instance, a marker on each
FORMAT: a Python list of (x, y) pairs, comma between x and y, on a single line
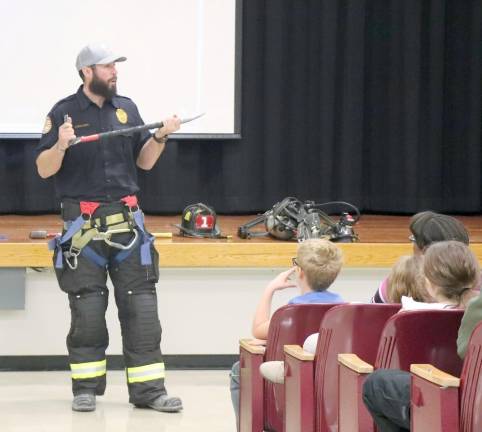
[(406, 282), (315, 268), (452, 272), (427, 228), (325, 276), (407, 279)]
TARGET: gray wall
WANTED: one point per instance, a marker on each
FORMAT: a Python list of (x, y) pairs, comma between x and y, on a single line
[(202, 311)]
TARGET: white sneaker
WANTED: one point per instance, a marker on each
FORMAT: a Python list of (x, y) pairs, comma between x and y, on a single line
[(273, 371)]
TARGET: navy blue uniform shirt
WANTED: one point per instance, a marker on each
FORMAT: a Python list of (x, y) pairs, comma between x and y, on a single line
[(102, 170)]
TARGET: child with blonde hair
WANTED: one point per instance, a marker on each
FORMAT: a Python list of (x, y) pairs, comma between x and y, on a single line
[(315, 268)]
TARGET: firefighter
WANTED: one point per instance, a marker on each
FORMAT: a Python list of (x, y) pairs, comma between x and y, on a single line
[(104, 233)]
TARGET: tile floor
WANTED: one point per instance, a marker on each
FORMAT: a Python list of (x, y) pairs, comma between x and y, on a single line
[(40, 402)]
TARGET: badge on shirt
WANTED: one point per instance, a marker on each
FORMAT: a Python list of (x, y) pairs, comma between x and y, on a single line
[(47, 125), (121, 115)]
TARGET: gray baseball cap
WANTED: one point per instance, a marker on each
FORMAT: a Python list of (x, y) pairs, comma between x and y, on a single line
[(96, 53)]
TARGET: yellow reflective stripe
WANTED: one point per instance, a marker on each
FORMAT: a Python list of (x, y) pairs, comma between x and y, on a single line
[(145, 373), (88, 370)]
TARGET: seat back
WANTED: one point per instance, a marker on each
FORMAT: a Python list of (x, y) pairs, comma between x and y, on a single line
[(289, 325), (471, 385), (421, 336), (349, 328)]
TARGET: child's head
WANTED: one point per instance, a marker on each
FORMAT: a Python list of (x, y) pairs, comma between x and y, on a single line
[(428, 227), (407, 279), (451, 269), (320, 261)]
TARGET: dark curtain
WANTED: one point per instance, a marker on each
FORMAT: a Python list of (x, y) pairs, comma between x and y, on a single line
[(375, 102)]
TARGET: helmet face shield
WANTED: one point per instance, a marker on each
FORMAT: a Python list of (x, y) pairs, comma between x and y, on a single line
[(199, 220)]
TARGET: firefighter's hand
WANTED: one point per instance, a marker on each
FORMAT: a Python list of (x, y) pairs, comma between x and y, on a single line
[(170, 125), (66, 134)]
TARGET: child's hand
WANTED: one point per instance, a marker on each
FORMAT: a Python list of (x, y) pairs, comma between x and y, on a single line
[(282, 281)]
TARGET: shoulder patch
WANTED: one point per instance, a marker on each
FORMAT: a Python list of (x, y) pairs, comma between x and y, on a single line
[(47, 125)]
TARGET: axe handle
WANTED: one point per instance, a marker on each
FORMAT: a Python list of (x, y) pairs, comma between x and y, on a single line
[(125, 131), (162, 234)]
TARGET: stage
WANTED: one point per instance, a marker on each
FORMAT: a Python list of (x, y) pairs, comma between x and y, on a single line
[(382, 239), (204, 285)]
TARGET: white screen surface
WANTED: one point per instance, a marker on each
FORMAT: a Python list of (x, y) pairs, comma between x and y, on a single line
[(180, 58)]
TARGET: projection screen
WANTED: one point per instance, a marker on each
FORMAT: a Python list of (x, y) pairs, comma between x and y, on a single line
[(183, 57)]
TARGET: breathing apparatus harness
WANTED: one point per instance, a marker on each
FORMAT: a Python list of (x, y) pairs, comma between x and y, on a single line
[(301, 220)]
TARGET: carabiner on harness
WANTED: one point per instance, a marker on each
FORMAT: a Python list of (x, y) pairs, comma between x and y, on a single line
[(119, 245), (72, 254)]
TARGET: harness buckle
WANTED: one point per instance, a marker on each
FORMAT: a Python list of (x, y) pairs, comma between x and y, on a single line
[(102, 227)]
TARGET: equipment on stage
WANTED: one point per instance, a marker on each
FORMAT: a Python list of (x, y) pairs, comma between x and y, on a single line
[(125, 131), (199, 220), (41, 234), (292, 219)]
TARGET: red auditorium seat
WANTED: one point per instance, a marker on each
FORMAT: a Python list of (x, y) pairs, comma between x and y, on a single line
[(423, 336), (442, 402), (311, 387), (291, 324)]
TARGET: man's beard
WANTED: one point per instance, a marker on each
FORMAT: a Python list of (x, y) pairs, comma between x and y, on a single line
[(101, 88)]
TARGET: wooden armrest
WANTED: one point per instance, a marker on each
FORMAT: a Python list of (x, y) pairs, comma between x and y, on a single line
[(297, 352), (253, 349), (355, 363), (434, 375)]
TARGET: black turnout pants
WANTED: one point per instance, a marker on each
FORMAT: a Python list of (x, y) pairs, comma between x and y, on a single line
[(136, 299), (386, 394)]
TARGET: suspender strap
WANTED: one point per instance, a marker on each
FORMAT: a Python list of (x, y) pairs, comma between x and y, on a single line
[(59, 240), (73, 228), (147, 239)]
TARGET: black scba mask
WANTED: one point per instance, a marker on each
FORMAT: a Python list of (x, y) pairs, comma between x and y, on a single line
[(292, 219), (199, 220)]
